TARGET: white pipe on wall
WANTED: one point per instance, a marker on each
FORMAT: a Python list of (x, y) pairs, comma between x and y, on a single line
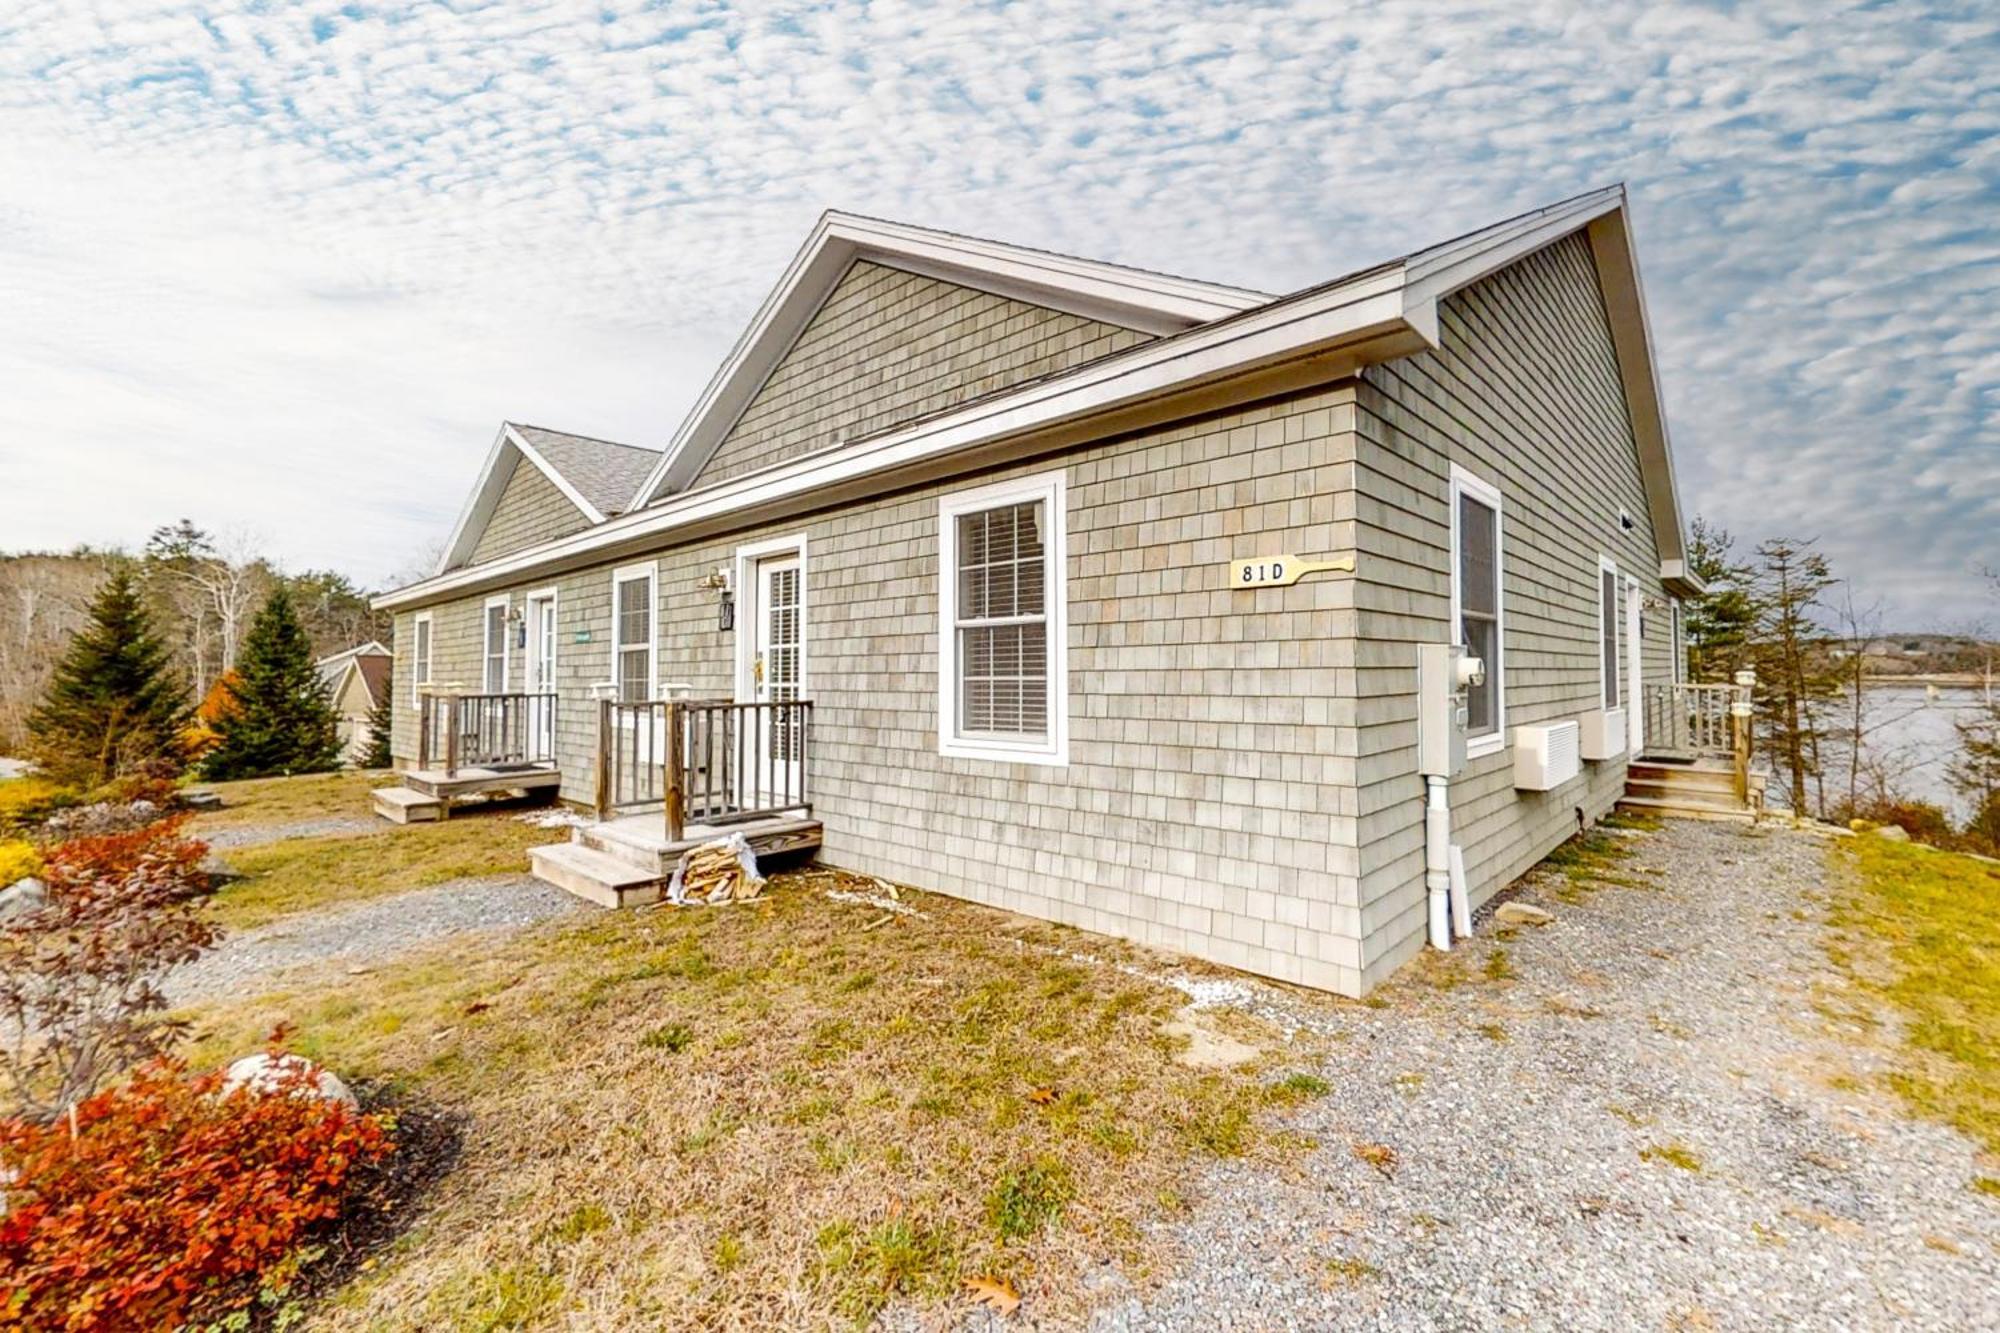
[(1437, 860)]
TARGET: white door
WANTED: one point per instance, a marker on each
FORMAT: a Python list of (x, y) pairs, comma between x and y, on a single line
[(541, 676), (777, 675), (1635, 711)]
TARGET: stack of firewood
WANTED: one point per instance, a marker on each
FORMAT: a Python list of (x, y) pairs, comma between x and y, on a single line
[(714, 873)]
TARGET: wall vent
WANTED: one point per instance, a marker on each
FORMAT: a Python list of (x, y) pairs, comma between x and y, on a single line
[(1603, 733), (1546, 756)]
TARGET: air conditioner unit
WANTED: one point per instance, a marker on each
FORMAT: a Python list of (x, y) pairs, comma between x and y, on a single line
[(1603, 733), (1545, 756)]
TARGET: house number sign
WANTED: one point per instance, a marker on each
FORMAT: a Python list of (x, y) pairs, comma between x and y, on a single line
[(1281, 571)]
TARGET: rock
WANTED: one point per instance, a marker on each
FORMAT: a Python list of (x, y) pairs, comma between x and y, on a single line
[(262, 1073), (1893, 832), (201, 800), (22, 896), (1522, 914)]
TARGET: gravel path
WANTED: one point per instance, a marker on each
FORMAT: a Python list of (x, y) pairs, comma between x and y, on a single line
[(253, 835), (371, 932), (1678, 1018)]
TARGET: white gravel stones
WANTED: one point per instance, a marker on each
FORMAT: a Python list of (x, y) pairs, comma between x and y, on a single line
[(1680, 1018), (365, 933)]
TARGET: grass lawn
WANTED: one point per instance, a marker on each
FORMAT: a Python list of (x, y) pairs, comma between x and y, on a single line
[(292, 800), (303, 874), (1939, 916), (782, 1114)]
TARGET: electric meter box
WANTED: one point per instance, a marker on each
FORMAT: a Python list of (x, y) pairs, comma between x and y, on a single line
[(1444, 671)]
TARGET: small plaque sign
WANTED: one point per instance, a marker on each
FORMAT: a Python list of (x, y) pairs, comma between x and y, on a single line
[(581, 636), (1281, 571)]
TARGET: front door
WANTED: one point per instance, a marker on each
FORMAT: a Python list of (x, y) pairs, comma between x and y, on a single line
[(1635, 711), (541, 676), (777, 676)]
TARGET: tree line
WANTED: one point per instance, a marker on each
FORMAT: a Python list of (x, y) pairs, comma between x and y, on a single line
[(185, 657), (200, 593), (1782, 612)]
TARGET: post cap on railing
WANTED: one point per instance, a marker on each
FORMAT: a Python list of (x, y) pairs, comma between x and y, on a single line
[(1740, 708), (1746, 678)]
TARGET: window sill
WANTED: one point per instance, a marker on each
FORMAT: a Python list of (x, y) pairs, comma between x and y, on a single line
[(1006, 754), (1485, 745)]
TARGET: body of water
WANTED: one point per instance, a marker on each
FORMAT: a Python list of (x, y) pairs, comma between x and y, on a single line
[(1911, 738)]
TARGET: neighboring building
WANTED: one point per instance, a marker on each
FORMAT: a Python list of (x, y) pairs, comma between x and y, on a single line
[(356, 679), (989, 508)]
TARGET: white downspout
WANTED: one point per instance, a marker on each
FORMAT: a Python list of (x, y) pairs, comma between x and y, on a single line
[(1437, 859)]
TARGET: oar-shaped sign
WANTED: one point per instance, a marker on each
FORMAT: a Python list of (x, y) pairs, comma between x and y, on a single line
[(1281, 571)]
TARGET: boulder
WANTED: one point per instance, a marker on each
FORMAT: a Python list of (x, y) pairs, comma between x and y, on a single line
[(263, 1073), (22, 896), (1522, 914), (1893, 832)]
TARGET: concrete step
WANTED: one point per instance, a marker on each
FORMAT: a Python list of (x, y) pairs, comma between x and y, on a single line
[(400, 805), (593, 875), (1681, 808)]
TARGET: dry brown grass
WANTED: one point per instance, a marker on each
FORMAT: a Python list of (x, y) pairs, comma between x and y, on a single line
[(784, 1114), (291, 800)]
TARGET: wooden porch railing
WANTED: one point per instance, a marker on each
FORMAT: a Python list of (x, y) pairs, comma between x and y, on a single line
[(707, 761), (485, 731), (1690, 721)]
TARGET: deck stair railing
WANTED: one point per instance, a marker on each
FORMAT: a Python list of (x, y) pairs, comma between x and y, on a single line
[(1688, 721), (485, 731), (706, 761)]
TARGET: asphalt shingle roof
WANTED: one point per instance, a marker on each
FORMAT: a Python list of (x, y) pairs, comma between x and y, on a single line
[(604, 473)]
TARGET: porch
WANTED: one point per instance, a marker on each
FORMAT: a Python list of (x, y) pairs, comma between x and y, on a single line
[(1695, 759), (672, 774), (475, 745)]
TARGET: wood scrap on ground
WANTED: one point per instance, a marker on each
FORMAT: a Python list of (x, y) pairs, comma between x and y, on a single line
[(722, 871)]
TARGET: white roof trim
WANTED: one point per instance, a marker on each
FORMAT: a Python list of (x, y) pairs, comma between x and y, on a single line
[(372, 648), (494, 475), (1314, 336), (1131, 298)]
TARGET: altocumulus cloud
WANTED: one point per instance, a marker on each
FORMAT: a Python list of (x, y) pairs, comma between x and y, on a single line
[(283, 271)]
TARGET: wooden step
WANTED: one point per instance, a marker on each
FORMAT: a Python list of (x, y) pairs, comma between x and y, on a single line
[(400, 805), (593, 875), (1681, 807)]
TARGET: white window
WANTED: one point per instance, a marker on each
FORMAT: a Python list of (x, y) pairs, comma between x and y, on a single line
[(1002, 623), (420, 657), (1609, 614), (634, 653), (496, 645), (1475, 604), (1678, 628)]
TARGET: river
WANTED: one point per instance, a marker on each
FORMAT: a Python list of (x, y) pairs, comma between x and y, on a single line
[(1911, 737)]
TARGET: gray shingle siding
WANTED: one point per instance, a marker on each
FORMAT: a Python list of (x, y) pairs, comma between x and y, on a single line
[(890, 346), (531, 510)]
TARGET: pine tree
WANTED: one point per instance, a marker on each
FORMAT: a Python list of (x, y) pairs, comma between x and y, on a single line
[(113, 706), (282, 720), (1796, 676), (381, 725), (1720, 621)]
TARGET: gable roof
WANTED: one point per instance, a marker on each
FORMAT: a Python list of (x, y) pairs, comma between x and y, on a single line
[(597, 476), (1313, 336), (371, 659), (1154, 303)]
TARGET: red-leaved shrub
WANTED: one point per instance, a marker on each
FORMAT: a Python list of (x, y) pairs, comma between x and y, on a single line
[(173, 1201), (80, 975)]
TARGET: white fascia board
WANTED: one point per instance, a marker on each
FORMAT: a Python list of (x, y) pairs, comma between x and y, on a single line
[(492, 484), (1366, 317), (1153, 303)]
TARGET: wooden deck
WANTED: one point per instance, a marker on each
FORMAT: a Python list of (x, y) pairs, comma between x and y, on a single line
[(626, 862), (428, 793)]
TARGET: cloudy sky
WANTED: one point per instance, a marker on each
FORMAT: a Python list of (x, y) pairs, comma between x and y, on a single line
[(281, 268)]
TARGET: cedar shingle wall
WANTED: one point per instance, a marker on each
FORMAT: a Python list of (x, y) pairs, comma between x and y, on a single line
[(890, 346), (1208, 804), (1525, 394), (531, 510)]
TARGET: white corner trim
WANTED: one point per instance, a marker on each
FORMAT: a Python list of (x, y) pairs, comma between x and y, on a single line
[(747, 606), (1464, 482), (1052, 489)]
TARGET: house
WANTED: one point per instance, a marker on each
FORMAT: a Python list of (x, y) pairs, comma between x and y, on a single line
[(356, 680), (1018, 577)]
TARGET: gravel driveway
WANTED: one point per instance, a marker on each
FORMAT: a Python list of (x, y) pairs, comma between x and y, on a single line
[(366, 933), (255, 835), (1536, 1125)]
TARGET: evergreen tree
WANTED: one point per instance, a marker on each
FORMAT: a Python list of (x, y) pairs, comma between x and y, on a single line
[(113, 707), (1796, 676), (282, 718), (381, 722), (1718, 623)]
